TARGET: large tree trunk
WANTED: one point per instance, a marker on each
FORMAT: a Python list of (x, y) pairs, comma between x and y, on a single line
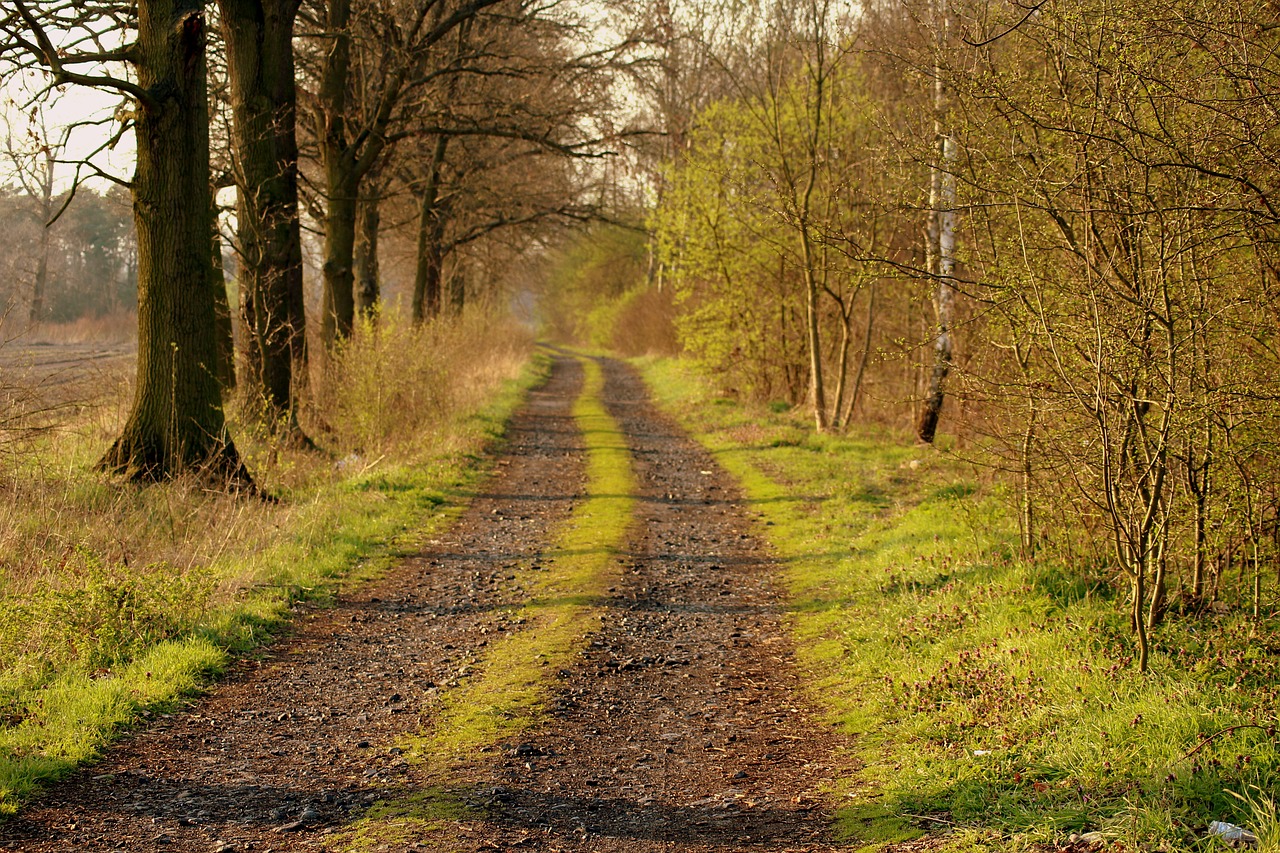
[(259, 36), (176, 421)]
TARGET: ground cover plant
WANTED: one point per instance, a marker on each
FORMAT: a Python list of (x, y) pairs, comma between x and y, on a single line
[(990, 696), (117, 600)]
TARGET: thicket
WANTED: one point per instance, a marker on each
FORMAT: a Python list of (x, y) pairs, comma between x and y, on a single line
[(1062, 218)]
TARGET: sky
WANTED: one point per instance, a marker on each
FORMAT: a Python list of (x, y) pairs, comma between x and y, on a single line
[(69, 105)]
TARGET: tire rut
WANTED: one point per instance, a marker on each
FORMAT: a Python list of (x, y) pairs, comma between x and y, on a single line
[(682, 726)]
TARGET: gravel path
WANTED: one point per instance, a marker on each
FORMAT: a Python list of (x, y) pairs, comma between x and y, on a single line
[(680, 727)]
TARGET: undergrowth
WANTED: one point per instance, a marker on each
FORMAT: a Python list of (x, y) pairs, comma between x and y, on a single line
[(118, 600), (988, 696)]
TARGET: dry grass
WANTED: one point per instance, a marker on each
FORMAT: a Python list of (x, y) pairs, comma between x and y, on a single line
[(119, 327), (395, 400), (391, 382)]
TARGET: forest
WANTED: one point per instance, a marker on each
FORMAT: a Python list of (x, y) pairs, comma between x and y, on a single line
[(974, 302)]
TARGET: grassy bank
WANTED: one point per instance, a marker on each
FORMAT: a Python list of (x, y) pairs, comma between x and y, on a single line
[(988, 698), (118, 601)]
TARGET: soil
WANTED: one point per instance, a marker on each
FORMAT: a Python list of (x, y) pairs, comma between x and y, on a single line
[(682, 726)]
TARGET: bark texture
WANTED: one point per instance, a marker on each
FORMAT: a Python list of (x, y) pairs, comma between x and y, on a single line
[(259, 38), (368, 270), (176, 421), (432, 218), (342, 180)]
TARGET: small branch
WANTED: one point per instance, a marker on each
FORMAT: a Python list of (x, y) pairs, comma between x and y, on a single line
[(997, 37), (1219, 734), (49, 56)]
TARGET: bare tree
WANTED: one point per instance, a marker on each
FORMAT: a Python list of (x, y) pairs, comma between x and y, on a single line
[(34, 161)]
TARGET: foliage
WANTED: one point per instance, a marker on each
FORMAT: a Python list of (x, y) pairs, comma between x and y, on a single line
[(585, 279), (772, 196), (1115, 270)]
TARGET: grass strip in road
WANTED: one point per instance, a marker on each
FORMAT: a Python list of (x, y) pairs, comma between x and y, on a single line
[(988, 697), (505, 691), (503, 696)]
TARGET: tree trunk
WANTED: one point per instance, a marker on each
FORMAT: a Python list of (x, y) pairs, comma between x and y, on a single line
[(943, 231), (457, 292), (176, 422), (223, 331), (856, 395), (40, 284), (259, 37), (368, 286), (431, 222), (942, 242), (342, 180), (817, 390), (339, 305)]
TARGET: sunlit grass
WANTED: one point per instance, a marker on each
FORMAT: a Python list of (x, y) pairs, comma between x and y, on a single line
[(504, 695), (985, 694)]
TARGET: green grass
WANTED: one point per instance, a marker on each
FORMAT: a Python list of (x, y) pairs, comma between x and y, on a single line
[(505, 691), (98, 645), (984, 694)]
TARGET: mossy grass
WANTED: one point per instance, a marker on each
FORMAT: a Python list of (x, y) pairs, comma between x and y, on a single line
[(988, 697), (503, 695), (407, 819), (98, 645)]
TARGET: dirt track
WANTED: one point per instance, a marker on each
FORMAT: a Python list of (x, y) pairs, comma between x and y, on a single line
[(680, 727)]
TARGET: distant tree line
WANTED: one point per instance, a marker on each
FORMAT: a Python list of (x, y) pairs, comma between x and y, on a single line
[(86, 265)]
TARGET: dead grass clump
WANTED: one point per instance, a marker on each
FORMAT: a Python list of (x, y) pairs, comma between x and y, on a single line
[(391, 383)]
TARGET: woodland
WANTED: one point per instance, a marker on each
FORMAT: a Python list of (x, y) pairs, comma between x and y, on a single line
[(1035, 244)]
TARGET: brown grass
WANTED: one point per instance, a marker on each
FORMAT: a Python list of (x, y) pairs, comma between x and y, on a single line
[(119, 327), (394, 396)]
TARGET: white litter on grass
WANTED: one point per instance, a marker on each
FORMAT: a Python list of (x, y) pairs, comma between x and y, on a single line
[(1231, 832)]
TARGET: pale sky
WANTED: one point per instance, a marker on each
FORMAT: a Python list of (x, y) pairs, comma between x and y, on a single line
[(69, 105)]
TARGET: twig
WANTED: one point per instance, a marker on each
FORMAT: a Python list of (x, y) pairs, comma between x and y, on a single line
[(1219, 734)]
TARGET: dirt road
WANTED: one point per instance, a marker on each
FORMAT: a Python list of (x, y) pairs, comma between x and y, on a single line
[(679, 724)]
